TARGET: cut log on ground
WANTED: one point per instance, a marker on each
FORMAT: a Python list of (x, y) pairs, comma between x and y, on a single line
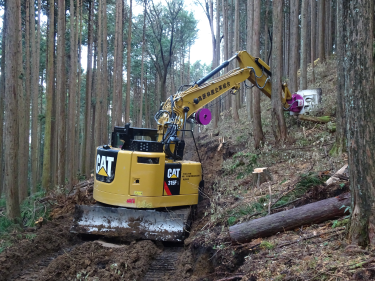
[(317, 212)]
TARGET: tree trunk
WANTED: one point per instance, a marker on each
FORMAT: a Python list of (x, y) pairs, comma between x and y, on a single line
[(128, 62), (294, 50), (142, 66), (278, 121), (87, 132), (322, 20), (98, 83), (360, 115), (105, 75), (46, 180), (266, 37), (71, 159), (308, 214), (216, 104), (340, 144), (13, 30), (22, 116), (257, 121), (2, 98), (249, 44), (34, 98), (224, 6), (313, 37), (236, 49), (61, 95), (303, 65)]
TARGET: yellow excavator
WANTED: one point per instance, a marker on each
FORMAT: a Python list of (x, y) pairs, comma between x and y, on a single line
[(143, 187)]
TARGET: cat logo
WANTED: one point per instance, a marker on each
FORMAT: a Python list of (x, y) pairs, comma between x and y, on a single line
[(104, 165), (173, 173)]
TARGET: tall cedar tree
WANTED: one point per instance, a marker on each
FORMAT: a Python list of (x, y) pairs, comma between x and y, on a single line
[(24, 109), (278, 122), (46, 179), (257, 121), (215, 106), (321, 23), (34, 101), (313, 37), (236, 49), (11, 109), (360, 115), (142, 65), (303, 65), (98, 82), (61, 94), (224, 6), (105, 74), (249, 44), (128, 62), (2, 97), (340, 144), (117, 83), (71, 159), (294, 38), (87, 133)]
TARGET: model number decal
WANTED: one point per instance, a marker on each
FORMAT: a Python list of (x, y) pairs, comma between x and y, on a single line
[(214, 91)]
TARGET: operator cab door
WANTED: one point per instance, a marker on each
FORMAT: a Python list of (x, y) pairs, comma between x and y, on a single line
[(147, 174)]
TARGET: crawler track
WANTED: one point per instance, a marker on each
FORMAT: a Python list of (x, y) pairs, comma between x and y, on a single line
[(164, 264), (35, 270)]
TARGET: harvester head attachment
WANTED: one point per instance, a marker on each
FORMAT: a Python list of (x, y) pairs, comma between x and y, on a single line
[(305, 100), (132, 224)]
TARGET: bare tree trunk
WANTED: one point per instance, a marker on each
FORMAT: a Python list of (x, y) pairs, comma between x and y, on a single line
[(321, 22), (61, 95), (13, 30), (217, 55), (142, 66), (294, 50), (34, 97), (24, 108), (250, 20), (128, 62), (313, 37), (257, 121), (98, 83), (340, 144), (278, 122), (119, 64), (87, 132), (236, 49), (2, 97), (105, 74), (71, 159), (303, 65), (267, 4), (360, 114), (224, 6)]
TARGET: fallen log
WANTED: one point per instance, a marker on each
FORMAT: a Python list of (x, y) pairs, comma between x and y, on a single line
[(316, 212)]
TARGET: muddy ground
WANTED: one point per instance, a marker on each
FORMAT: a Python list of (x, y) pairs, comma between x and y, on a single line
[(310, 252)]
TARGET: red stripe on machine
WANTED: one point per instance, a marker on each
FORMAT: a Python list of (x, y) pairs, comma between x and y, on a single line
[(166, 188)]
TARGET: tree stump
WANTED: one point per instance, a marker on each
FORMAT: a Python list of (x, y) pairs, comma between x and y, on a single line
[(261, 175)]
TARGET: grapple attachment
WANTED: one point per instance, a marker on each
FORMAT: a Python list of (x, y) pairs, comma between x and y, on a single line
[(131, 224)]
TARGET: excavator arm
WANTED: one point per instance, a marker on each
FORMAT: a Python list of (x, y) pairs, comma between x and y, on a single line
[(175, 112)]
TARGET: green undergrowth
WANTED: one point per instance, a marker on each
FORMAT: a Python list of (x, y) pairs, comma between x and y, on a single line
[(302, 187), (242, 164), (31, 210), (260, 207)]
